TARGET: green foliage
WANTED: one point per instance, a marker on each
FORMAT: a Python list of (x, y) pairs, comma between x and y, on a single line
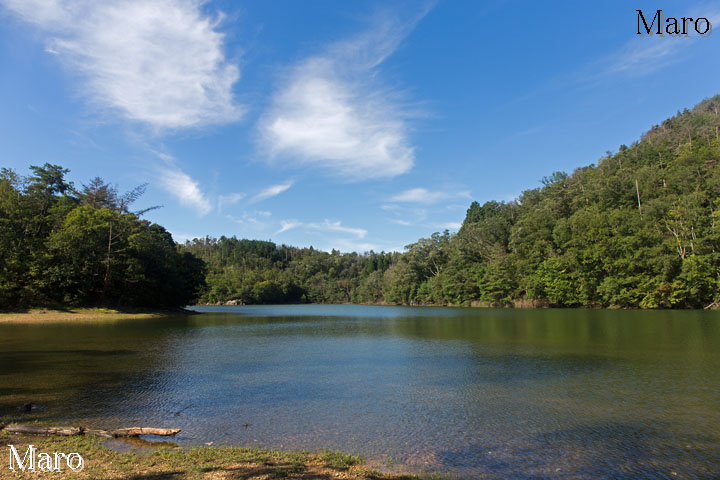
[(261, 272), (638, 230), (69, 248)]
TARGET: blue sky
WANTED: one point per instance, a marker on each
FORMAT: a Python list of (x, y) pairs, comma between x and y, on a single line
[(351, 125)]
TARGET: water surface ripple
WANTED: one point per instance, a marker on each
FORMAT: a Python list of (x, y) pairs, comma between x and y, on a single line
[(518, 394)]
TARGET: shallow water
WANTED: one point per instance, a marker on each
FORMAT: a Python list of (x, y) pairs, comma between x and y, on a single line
[(478, 393)]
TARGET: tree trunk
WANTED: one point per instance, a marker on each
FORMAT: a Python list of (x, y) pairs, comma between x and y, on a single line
[(106, 279)]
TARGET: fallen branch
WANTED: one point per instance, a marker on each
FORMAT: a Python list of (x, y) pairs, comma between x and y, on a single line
[(135, 431), (98, 433), (68, 431)]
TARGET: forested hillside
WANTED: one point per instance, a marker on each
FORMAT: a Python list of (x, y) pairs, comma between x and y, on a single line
[(65, 247), (254, 271), (638, 229)]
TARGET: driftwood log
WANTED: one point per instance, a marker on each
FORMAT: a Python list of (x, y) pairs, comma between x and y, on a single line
[(120, 432), (135, 431), (38, 430)]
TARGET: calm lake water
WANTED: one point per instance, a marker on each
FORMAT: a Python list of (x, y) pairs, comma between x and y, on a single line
[(478, 393)]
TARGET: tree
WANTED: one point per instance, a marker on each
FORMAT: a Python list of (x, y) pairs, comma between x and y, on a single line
[(62, 247)]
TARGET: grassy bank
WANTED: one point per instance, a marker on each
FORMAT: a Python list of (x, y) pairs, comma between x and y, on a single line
[(43, 315), (168, 463)]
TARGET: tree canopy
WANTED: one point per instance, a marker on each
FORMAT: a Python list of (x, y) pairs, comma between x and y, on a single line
[(639, 229), (65, 247)]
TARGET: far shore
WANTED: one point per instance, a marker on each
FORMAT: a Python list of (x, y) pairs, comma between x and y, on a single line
[(80, 315), (38, 316)]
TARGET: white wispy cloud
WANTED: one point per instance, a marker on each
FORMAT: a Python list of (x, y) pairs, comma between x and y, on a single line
[(642, 55), (344, 245), (253, 218), (646, 54), (329, 226), (426, 197), (286, 225), (390, 208), (333, 113), (271, 191), (185, 189), (231, 199), (234, 219), (158, 62), (458, 206), (450, 225), (404, 223), (180, 237), (165, 157), (408, 215), (324, 226), (420, 223), (250, 220)]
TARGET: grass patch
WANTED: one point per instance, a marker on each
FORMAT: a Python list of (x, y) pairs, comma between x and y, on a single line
[(211, 462), (339, 460)]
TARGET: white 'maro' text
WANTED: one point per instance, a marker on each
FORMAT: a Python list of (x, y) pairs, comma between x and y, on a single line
[(33, 461)]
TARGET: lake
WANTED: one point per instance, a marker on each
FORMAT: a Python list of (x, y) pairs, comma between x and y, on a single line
[(477, 393)]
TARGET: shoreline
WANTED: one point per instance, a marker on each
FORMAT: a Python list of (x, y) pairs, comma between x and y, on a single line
[(39, 316), (80, 315), (212, 462)]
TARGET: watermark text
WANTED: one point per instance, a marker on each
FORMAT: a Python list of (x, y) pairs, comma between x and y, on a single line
[(683, 26), (34, 461)]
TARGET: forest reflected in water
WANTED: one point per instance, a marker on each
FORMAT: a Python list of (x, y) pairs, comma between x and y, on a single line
[(473, 392)]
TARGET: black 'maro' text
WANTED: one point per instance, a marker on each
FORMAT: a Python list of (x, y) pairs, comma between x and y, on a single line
[(671, 25)]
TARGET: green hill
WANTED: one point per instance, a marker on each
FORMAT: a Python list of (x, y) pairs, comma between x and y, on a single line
[(637, 229)]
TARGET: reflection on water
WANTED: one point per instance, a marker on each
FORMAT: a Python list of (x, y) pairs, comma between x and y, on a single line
[(480, 393)]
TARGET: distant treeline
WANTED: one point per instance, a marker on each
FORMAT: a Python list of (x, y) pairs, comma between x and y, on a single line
[(65, 247), (639, 229), (254, 271)]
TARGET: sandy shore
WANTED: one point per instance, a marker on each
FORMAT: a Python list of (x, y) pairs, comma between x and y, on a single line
[(36, 316)]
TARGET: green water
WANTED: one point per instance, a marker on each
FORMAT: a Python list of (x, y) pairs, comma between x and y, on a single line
[(478, 393)]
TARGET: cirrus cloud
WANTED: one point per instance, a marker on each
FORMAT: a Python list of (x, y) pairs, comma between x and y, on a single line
[(160, 63), (332, 113), (426, 197), (271, 191), (185, 189), (325, 226)]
